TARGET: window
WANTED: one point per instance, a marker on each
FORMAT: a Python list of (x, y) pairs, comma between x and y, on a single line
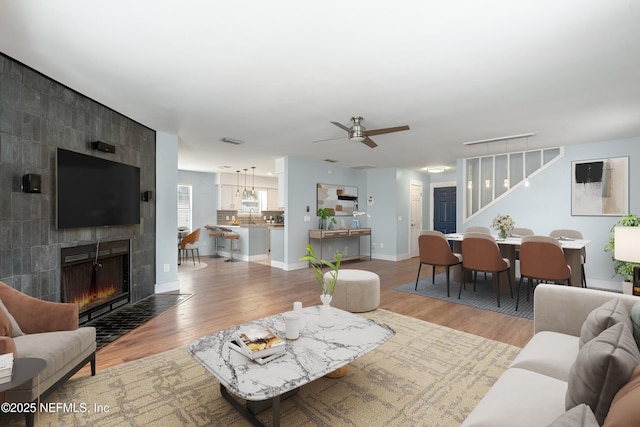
[(184, 206)]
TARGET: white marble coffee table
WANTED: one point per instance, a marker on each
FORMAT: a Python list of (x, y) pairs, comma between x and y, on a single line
[(316, 353)]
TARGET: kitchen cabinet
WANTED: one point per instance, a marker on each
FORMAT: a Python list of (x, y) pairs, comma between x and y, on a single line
[(228, 198), (272, 199)]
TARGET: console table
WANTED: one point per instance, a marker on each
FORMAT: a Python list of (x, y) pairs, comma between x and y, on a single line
[(355, 233)]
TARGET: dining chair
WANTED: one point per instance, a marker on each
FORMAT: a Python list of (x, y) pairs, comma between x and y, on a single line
[(521, 232), (480, 252), (435, 251), (478, 229), (542, 258), (190, 243), (574, 234)]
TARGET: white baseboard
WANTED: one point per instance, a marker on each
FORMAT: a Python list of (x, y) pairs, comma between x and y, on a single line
[(167, 287)]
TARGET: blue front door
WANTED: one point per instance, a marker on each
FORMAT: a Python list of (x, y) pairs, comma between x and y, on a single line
[(444, 209)]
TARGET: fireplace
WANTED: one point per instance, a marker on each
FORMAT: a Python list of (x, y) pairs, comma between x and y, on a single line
[(96, 277)]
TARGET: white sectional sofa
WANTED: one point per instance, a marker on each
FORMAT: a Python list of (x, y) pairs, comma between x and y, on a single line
[(532, 391)]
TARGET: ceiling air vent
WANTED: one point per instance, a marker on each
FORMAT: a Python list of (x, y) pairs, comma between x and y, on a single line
[(232, 141)]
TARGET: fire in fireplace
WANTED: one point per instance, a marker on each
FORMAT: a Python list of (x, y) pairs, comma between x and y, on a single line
[(96, 277)]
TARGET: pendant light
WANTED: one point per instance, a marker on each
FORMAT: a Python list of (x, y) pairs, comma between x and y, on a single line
[(245, 193), (253, 184), (238, 184)]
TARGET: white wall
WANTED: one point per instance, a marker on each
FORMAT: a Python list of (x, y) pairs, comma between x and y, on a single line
[(546, 204)]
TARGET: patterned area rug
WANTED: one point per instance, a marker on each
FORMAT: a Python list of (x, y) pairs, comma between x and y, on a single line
[(427, 375), (484, 297)]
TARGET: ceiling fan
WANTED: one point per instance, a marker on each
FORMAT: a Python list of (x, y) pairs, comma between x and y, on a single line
[(359, 133)]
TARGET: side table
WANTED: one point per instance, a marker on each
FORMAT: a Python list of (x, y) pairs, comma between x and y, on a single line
[(24, 369)]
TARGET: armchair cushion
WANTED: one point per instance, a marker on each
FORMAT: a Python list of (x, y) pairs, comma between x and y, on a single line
[(603, 317), (14, 330)]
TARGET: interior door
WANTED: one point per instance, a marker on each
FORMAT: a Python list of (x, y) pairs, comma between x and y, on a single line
[(415, 211), (444, 209)]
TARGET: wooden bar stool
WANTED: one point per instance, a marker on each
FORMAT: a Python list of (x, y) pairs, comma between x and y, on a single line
[(233, 238), (215, 232)]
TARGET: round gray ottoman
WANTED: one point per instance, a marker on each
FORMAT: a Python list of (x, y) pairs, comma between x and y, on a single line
[(356, 290)]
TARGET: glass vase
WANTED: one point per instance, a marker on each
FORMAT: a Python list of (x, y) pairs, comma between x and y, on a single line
[(502, 233), (326, 314)]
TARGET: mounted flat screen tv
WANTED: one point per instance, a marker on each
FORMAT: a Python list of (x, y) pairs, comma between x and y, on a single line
[(94, 192)]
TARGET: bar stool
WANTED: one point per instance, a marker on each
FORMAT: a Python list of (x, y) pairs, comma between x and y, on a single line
[(215, 232), (233, 238)]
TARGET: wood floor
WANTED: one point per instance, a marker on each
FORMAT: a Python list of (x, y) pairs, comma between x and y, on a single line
[(226, 294)]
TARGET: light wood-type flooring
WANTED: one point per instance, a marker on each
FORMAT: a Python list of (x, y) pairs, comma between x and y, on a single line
[(230, 293)]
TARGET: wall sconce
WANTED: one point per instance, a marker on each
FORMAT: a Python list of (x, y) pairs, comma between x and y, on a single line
[(147, 196), (469, 184), (487, 183), (506, 183)]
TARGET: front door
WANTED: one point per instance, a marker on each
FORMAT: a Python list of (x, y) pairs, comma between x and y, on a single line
[(444, 209)]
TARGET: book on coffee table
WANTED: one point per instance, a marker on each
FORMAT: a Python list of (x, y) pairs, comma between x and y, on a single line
[(6, 367), (257, 341)]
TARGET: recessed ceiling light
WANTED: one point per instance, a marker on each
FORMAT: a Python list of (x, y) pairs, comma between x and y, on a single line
[(435, 169)]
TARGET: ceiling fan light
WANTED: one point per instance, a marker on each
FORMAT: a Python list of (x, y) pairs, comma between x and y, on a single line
[(356, 133)]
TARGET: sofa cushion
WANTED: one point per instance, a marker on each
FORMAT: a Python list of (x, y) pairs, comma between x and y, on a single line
[(548, 353), (602, 367), (635, 321), (578, 416), (6, 330), (603, 317), (520, 397), (624, 410), (15, 329), (56, 348)]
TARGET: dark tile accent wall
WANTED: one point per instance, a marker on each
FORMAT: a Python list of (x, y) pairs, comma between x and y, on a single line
[(38, 114)]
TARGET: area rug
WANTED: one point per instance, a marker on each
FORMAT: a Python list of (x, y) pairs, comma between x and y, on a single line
[(187, 266), (484, 297), (426, 375)]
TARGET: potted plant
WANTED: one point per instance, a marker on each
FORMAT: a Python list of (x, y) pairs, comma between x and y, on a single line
[(324, 214), (504, 224), (623, 268), (327, 286)]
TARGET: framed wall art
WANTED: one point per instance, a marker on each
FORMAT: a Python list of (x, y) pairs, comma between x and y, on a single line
[(342, 200), (600, 187)]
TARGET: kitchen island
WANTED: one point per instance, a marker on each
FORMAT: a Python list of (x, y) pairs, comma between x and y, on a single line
[(253, 244)]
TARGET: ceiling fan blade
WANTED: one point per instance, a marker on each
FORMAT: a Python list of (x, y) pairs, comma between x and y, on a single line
[(385, 130), (328, 139), (368, 141), (341, 126)]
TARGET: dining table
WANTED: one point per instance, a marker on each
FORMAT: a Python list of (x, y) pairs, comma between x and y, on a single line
[(572, 249)]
